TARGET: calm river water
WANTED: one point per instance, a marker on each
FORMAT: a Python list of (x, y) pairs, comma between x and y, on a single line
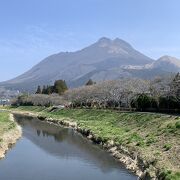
[(48, 152)]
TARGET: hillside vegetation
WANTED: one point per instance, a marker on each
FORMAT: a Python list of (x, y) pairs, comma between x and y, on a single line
[(158, 95)]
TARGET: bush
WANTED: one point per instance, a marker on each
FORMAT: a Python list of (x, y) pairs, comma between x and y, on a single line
[(169, 175), (167, 147), (143, 102), (169, 102), (177, 124)]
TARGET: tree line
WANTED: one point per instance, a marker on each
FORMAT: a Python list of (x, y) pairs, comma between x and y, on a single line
[(59, 87), (140, 95), (162, 93), (169, 101)]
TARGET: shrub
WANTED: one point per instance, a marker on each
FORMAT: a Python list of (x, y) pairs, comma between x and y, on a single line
[(143, 102), (167, 147), (169, 102), (177, 124)]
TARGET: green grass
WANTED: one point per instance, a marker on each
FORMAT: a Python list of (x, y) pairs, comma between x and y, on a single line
[(151, 135), (5, 123), (169, 175), (167, 147), (143, 128)]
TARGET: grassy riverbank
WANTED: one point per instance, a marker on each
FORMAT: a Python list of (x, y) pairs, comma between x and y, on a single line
[(5, 124), (155, 137), (9, 132)]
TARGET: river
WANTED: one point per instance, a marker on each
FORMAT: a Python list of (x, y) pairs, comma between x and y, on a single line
[(49, 152)]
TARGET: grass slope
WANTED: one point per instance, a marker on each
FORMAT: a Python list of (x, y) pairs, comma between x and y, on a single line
[(5, 123), (155, 137)]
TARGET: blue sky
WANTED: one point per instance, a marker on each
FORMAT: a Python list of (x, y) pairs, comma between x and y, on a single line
[(30, 30)]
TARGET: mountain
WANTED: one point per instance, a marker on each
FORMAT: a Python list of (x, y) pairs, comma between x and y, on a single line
[(165, 66), (73, 66), (104, 60), (167, 63)]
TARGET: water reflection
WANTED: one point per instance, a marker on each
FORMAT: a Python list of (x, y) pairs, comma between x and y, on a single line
[(65, 143), (63, 146)]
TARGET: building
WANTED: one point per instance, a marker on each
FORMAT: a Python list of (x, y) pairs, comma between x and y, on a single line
[(4, 101)]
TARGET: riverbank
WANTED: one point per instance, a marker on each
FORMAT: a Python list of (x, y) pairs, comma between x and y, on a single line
[(10, 132), (147, 143)]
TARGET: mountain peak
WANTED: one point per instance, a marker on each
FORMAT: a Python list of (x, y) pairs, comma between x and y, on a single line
[(170, 59), (104, 40), (121, 43), (168, 63), (113, 43), (167, 57)]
